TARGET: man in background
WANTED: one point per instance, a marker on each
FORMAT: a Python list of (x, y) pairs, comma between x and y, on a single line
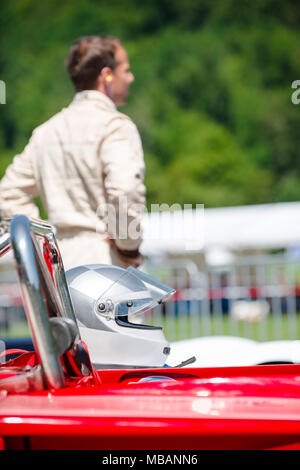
[(86, 163)]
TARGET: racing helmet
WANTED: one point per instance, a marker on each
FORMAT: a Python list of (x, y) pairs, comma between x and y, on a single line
[(106, 299)]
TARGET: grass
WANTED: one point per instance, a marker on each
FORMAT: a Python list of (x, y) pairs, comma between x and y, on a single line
[(185, 326), (16, 330), (192, 326)]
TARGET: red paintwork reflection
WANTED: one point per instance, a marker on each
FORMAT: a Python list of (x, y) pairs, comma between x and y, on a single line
[(240, 408)]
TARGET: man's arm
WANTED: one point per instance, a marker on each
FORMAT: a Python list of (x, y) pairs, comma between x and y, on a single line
[(123, 175), (18, 186)]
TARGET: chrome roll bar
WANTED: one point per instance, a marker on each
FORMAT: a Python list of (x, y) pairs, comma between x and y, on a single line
[(34, 301), (22, 235)]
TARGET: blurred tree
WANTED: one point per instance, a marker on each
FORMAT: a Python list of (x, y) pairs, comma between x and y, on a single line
[(212, 95)]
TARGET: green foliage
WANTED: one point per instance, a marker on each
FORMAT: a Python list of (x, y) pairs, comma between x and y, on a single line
[(212, 95), (210, 166)]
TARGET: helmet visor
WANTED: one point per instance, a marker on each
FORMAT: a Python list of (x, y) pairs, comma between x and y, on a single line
[(133, 293), (159, 291)]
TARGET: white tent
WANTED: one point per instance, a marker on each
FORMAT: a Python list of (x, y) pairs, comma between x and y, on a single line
[(264, 226)]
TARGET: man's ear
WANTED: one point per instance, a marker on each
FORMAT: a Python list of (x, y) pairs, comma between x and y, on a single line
[(106, 74), (103, 81)]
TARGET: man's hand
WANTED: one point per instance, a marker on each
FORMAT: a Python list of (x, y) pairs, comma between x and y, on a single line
[(130, 258), (135, 262)]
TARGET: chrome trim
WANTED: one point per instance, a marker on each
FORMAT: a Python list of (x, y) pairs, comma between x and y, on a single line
[(30, 380), (60, 280), (4, 243), (26, 254), (45, 231)]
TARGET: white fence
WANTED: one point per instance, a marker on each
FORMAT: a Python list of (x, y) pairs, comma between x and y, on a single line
[(257, 297)]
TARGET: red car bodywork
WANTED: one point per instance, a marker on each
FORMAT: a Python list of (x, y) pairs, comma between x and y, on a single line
[(221, 408), (167, 408)]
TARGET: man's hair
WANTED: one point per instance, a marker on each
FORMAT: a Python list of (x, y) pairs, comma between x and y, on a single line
[(88, 56)]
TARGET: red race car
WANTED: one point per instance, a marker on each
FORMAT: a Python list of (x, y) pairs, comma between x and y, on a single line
[(97, 380)]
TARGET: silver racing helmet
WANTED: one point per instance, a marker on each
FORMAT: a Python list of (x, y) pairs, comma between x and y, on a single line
[(107, 300)]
